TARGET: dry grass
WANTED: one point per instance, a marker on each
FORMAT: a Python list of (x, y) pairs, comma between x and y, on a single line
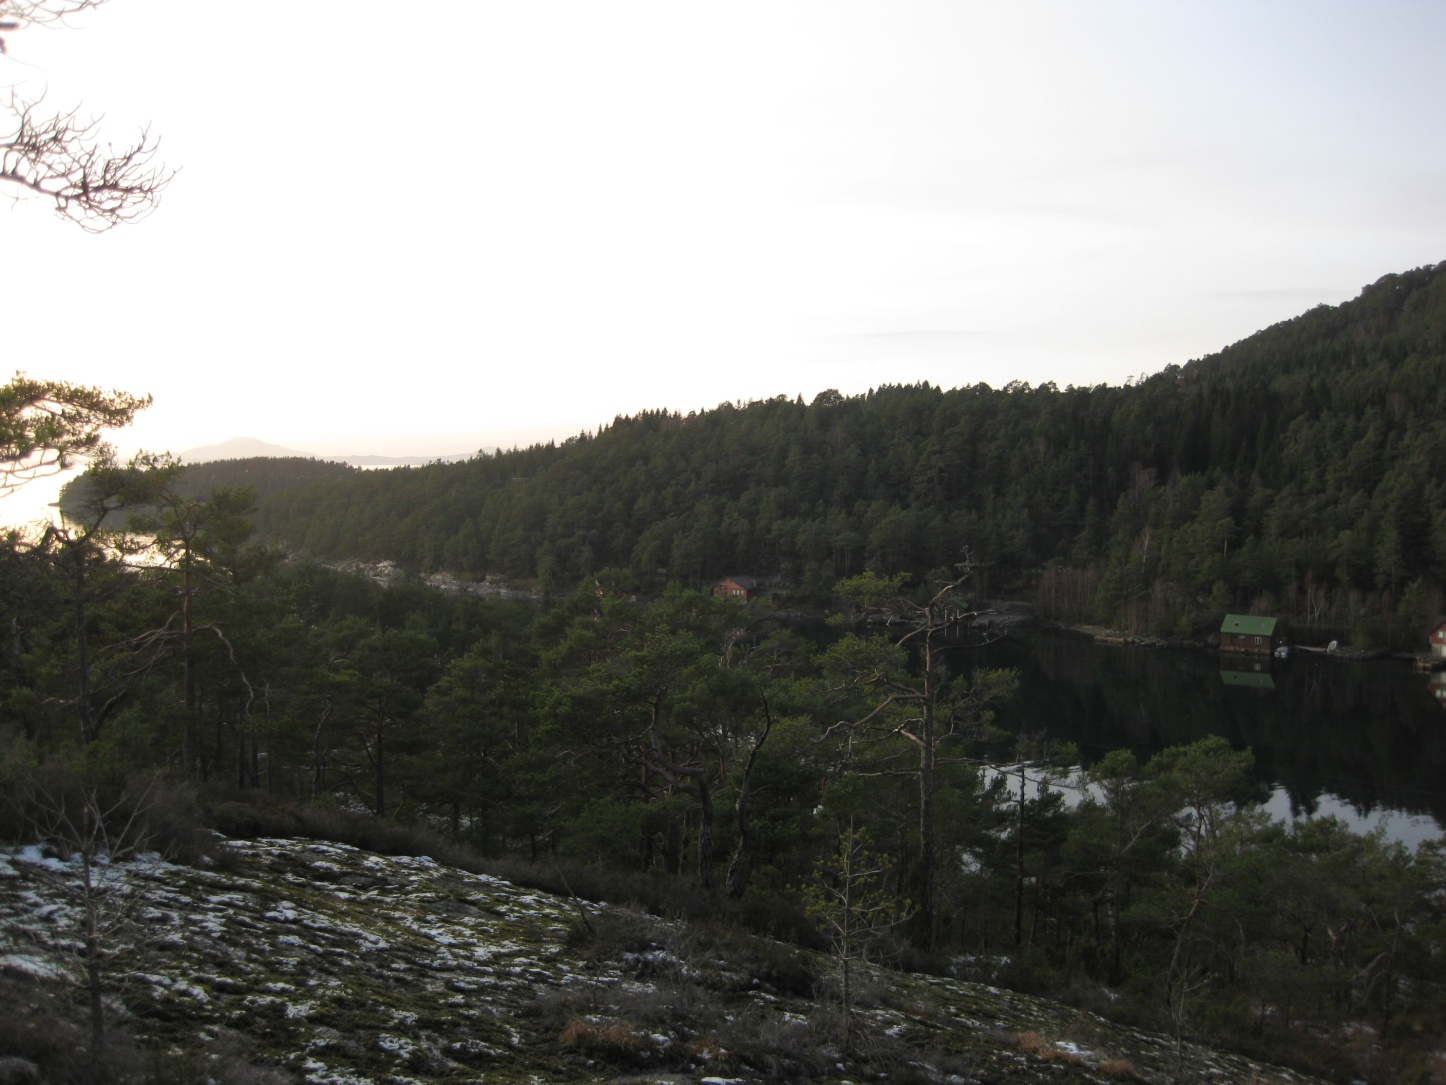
[(707, 1049), (1120, 1070), (614, 1041), (1030, 1042), (1046, 1050)]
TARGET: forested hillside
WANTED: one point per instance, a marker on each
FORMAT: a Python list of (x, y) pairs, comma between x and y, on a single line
[(1299, 472), (720, 761), (263, 475)]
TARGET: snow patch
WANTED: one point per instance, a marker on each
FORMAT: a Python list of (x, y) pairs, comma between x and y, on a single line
[(399, 1046), (34, 855), (190, 990), (29, 965)]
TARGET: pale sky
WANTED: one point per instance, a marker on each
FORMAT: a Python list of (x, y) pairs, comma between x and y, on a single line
[(428, 228)]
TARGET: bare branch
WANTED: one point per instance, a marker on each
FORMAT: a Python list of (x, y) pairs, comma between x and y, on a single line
[(21, 14), (61, 159)]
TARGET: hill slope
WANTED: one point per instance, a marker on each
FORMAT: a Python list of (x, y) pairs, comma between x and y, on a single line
[(336, 965), (1298, 472)]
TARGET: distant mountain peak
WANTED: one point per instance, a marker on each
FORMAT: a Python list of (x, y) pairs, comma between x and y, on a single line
[(237, 448)]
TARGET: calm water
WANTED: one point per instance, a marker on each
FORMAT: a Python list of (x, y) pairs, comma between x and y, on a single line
[(1363, 741)]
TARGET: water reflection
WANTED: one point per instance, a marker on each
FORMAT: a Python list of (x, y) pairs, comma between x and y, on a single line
[(1437, 685), (1357, 739), (1256, 677)]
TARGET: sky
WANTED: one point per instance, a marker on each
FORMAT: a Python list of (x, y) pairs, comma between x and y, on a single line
[(432, 229)]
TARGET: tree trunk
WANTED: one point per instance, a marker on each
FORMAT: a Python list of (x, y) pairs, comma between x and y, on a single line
[(1019, 869), (928, 742), (93, 980), (381, 761), (318, 769), (96, 999), (926, 843), (92, 947), (188, 673), (88, 726), (705, 835), (736, 881)]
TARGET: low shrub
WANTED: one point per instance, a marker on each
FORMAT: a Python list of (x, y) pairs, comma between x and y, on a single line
[(609, 934), (45, 1024), (611, 1041), (762, 961), (679, 1008), (62, 801), (781, 1049), (255, 814)]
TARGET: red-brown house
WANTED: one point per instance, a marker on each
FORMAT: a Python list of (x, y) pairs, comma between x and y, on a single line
[(740, 588), (1438, 640)]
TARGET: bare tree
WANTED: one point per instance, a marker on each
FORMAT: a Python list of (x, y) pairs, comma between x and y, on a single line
[(847, 899), (919, 700), (61, 157), (102, 924)]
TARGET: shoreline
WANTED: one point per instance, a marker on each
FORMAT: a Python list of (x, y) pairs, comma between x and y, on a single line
[(1123, 638)]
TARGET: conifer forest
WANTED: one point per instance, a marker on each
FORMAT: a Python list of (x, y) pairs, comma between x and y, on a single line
[(597, 721)]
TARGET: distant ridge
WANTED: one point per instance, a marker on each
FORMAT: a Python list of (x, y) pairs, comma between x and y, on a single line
[(245, 448), (402, 461), (237, 448), (1311, 452)]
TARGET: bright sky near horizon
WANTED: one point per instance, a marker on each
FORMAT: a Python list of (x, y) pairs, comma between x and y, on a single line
[(425, 230)]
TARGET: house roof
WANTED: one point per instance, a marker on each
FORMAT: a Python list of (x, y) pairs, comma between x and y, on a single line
[(747, 583), (1248, 625)]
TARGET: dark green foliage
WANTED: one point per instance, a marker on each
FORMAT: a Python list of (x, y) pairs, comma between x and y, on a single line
[(581, 753), (635, 740), (262, 475), (46, 425), (1297, 472)]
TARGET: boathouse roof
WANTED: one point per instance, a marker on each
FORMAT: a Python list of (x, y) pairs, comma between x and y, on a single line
[(1248, 625)]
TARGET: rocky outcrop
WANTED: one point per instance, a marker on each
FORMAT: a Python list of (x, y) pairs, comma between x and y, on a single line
[(388, 573), (333, 965)]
